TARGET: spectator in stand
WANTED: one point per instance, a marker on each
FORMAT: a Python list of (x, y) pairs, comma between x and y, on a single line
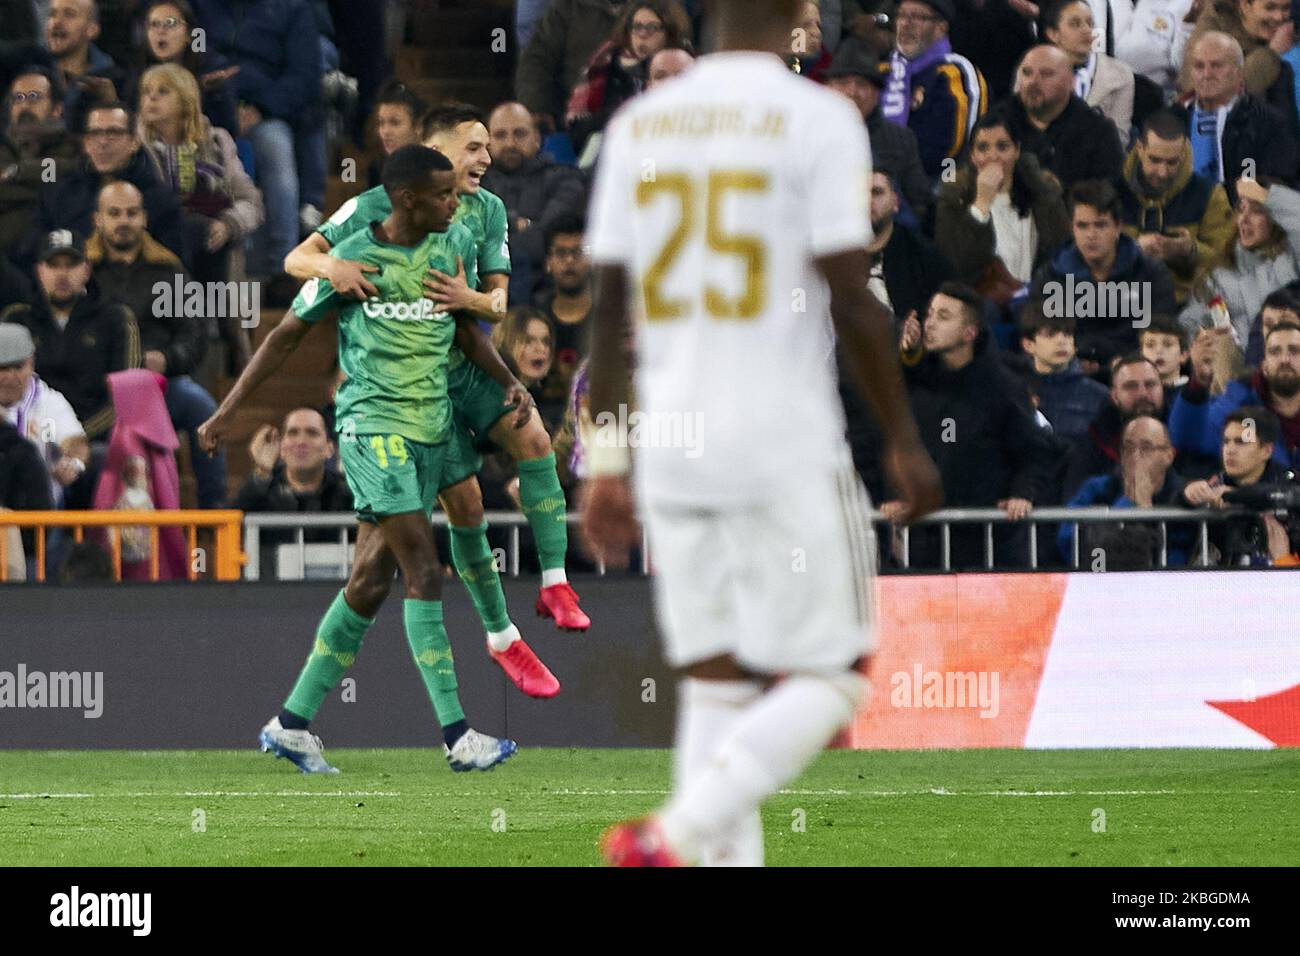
[(40, 413), (906, 271), (112, 153), (276, 47), (1068, 398), (1262, 255), (1176, 215), (666, 64), (1002, 217), (78, 339), (1279, 305), (1145, 478), (1069, 138), (536, 191), (567, 306), (809, 56), (858, 73), (221, 205), (35, 134), (24, 486), (937, 93), (1164, 343), (397, 122), (556, 58), (89, 74), (14, 285), (1127, 287), (1197, 419), (1135, 390), (1264, 32), (978, 425), (1101, 81), (168, 38), (617, 71), (290, 474), (1150, 41), (1250, 436), (131, 268), (1233, 132), (526, 340)]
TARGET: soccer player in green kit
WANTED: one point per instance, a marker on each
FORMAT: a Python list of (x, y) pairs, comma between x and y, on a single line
[(458, 132), (394, 424)]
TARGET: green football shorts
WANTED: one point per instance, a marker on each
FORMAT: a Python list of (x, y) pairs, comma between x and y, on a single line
[(391, 475)]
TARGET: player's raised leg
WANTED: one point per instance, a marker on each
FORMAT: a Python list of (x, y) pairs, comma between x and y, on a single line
[(476, 565), (542, 501)]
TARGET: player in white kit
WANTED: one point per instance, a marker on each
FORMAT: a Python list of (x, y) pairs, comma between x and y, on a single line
[(730, 219)]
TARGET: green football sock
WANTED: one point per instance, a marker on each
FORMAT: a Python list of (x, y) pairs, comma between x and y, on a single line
[(432, 652), (338, 638), (477, 567), (543, 505)]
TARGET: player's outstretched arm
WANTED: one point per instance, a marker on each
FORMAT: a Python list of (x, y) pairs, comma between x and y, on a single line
[(609, 525), (310, 259), (276, 347), (478, 348), (866, 333)]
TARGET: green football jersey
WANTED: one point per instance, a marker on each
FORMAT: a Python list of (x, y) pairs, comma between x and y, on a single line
[(393, 347), (483, 213)]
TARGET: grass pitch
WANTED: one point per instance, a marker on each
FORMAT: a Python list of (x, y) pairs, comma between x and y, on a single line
[(548, 807)]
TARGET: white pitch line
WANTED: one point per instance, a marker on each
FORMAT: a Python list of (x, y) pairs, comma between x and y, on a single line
[(931, 792)]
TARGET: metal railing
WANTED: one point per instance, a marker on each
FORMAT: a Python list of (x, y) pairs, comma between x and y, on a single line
[(225, 525)]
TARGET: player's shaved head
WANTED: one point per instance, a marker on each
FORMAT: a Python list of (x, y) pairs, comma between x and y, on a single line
[(409, 167), (753, 24)]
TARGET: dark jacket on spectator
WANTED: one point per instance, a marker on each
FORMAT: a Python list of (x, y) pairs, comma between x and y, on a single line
[(1101, 337), (78, 99), (1253, 130), (24, 482), (275, 44), (542, 191), (1191, 202), (98, 339), (971, 245), (14, 285), (1096, 450), (180, 338), (894, 148), (914, 268), (274, 494), (1079, 144), (71, 204), (23, 175), (993, 36), (1070, 400), (563, 44), (1139, 540), (1242, 541), (1196, 421)]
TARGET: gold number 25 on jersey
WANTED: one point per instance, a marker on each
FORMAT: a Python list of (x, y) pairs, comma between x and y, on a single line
[(749, 248)]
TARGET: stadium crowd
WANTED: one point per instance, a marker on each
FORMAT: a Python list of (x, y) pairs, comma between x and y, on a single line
[(1086, 223)]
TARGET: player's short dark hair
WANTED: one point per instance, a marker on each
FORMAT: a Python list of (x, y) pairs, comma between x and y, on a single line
[(1164, 324), (1286, 325), (98, 105), (410, 166), (1166, 124), (973, 305), (397, 93), (1127, 359), (445, 117), (564, 225), (1034, 320), (1099, 195), (1267, 426), (57, 88)]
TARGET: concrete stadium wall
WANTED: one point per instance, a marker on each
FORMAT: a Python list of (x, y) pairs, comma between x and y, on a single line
[(204, 666)]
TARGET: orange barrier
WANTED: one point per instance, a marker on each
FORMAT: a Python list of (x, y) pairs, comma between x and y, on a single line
[(227, 564)]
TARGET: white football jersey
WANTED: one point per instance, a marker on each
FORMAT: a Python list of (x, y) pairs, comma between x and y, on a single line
[(717, 191)]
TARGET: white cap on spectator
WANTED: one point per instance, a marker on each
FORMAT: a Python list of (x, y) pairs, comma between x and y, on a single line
[(16, 343)]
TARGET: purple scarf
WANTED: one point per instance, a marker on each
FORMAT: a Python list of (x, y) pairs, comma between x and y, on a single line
[(24, 409), (896, 103)]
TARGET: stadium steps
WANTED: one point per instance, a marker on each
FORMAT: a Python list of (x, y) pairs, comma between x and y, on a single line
[(450, 54)]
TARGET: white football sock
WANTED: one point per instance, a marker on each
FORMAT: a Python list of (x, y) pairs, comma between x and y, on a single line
[(769, 744), (706, 711), (501, 640), (553, 576)]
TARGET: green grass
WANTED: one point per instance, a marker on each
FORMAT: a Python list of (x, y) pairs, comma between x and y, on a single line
[(400, 807)]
